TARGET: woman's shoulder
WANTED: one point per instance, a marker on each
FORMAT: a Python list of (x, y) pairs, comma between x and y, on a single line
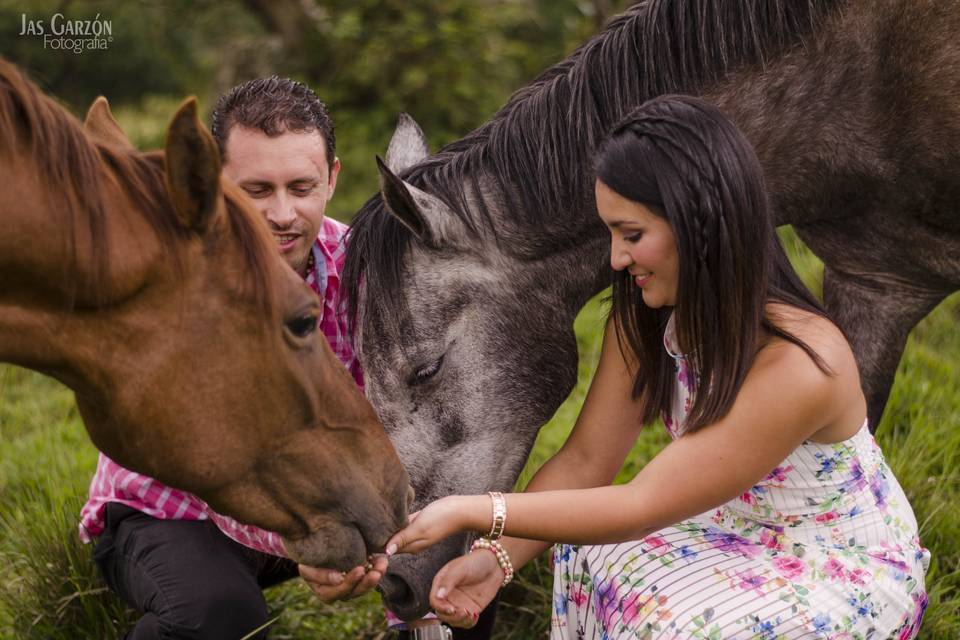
[(836, 376), (826, 362), (814, 330)]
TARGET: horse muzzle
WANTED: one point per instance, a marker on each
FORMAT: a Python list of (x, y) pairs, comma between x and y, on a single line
[(406, 586)]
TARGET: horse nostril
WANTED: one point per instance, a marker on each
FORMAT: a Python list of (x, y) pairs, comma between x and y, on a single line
[(406, 584), (399, 597), (394, 588), (411, 495)]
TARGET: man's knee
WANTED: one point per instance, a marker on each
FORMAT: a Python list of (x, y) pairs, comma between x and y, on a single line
[(226, 612)]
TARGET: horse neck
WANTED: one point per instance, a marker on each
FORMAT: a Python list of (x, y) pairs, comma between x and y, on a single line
[(812, 116), (540, 146), (574, 271), (49, 316), (585, 270)]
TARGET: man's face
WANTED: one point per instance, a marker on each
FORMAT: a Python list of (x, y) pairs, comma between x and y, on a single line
[(290, 182)]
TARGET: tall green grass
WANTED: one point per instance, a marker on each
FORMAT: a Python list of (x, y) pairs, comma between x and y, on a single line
[(50, 588)]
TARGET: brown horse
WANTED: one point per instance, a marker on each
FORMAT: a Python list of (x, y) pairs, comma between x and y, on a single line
[(144, 283)]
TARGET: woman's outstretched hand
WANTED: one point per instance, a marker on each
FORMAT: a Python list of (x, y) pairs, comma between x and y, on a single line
[(464, 587), (438, 520)]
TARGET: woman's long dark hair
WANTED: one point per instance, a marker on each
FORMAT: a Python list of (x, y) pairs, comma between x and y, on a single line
[(685, 158)]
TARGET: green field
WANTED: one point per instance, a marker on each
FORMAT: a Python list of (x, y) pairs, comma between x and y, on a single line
[(50, 590)]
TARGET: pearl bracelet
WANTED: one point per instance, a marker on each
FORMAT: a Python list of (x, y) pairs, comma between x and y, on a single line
[(503, 560), (499, 505)]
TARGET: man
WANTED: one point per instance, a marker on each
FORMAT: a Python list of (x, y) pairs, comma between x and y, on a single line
[(290, 171), (277, 142)]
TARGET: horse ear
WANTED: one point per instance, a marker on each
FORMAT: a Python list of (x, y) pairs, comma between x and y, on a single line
[(430, 220), (408, 146), (102, 126), (193, 168)]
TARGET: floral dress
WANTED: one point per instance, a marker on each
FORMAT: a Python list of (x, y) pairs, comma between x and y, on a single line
[(825, 546)]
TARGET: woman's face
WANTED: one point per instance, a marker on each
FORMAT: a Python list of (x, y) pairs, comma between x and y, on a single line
[(642, 243)]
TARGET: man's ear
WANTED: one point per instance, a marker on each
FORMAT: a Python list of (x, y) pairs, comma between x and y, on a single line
[(332, 178)]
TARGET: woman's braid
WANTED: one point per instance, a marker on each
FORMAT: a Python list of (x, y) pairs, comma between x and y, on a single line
[(673, 137)]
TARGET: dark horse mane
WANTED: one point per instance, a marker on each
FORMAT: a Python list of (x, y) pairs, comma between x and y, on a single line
[(656, 47), (72, 165)]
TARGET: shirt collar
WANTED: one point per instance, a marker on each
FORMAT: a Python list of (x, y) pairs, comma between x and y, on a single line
[(317, 275)]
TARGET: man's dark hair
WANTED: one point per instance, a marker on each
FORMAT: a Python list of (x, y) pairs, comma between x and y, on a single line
[(273, 105)]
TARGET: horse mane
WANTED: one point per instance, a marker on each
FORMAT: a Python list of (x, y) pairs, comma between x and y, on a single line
[(534, 149), (72, 165)]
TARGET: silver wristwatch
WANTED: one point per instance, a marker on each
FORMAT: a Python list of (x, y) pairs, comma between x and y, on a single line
[(431, 632)]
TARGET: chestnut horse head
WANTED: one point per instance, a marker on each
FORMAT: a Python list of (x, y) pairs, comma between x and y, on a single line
[(146, 284)]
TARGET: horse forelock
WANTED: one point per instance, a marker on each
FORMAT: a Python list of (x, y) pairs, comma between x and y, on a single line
[(536, 149), (254, 244), (72, 166), (142, 176)]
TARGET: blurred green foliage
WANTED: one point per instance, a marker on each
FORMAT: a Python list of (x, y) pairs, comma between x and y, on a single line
[(449, 63)]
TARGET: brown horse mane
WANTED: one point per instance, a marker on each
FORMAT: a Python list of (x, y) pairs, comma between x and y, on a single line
[(72, 165)]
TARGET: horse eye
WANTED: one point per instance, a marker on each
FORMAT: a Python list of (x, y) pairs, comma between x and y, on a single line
[(302, 326), (426, 372)]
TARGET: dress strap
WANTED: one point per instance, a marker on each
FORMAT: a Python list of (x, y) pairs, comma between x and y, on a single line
[(670, 342)]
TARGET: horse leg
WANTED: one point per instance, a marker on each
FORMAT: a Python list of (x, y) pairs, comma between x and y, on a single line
[(876, 312)]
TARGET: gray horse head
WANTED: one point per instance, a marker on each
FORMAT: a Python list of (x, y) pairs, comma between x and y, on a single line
[(456, 328)]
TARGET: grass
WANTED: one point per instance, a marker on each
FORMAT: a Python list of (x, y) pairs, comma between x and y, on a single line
[(50, 589)]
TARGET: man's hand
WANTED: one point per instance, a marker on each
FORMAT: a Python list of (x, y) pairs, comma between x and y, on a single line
[(330, 585)]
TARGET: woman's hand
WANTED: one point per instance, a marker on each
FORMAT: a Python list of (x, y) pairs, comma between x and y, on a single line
[(465, 586), (438, 520)]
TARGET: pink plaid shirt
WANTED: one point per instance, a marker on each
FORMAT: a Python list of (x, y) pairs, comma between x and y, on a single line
[(113, 483)]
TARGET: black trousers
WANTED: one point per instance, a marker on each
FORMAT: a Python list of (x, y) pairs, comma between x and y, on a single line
[(190, 581), (187, 578)]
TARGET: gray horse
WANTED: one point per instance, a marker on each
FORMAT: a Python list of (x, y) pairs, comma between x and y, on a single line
[(477, 259)]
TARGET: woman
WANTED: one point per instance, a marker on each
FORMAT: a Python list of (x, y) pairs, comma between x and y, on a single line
[(772, 513)]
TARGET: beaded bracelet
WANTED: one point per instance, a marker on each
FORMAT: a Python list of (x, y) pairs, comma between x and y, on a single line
[(503, 560), (499, 505)]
